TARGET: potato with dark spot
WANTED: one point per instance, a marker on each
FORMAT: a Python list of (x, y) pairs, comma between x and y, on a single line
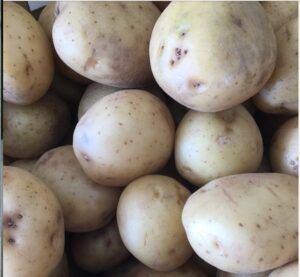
[(212, 56), (28, 65), (123, 136), (87, 206), (110, 43), (213, 145), (149, 221), (31, 130), (246, 223), (284, 148), (33, 226), (288, 270), (27, 164), (100, 250), (62, 269)]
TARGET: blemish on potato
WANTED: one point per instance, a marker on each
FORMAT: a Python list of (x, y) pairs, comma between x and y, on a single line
[(241, 225)]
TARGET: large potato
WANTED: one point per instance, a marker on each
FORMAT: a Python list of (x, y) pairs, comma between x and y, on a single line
[(289, 270), (125, 135), (212, 145), (100, 250), (149, 221), (280, 94), (31, 130), (245, 223), (284, 148), (87, 206), (33, 227), (109, 44), (27, 164), (211, 56), (28, 66)]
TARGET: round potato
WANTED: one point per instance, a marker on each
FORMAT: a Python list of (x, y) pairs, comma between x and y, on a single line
[(212, 145), (289, 270), (27, 164), (246, 223), (100, 250), (284, 148), (280, 94), (149, 221), (31, 130), (125, 135), (211, 56), (62, 269), (33, 226), (28, 66), (87, 206), (110, 43)]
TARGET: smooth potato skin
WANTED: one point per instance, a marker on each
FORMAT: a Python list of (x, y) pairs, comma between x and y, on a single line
[(244, 223), (33, 227), (288, 270), (28, 66), (284, 148), (280, 94), (211, 56)]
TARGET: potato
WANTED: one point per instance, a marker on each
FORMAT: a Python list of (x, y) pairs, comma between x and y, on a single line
[(27, 164), (245, 223), (289, 270), (280, 94), (280, 12), (109, 45), (28, 66), (221, 273), (31, 130), (62, 269), (86, 206), (33, 227), (212, 145), (149, 221), (284, 148), (125, 135), (211, 56), (100, 250)]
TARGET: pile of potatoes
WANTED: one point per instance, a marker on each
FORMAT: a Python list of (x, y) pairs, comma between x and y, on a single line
[(150, 139)]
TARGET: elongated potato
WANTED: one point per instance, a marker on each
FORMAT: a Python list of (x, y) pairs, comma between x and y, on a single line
[(289, 270), (245, 223)]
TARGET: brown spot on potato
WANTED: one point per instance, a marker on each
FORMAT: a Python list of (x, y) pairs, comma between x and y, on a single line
[(172, 62), (236, 21), (11, 241), (258, 226), (272, 192), (85, 157), (223, 140), (172, 251), (229, 197), (91, 61), (260, 260), (241, 225)]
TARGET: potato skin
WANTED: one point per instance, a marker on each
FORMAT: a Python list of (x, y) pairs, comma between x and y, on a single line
[(288, 270), (110, 44), (31, 130), (33, 227), (244, 223), (284, 148), (149, 221), (211, 56), (213, 145), (125, 135), (28, 65), (280, 94)]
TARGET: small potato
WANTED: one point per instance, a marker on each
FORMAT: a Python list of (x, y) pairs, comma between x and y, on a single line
[(125, 135), (100, 250), (31, 130), (86, 206), (288, 270), (212, 56), (27, 164), (149, 221), (246, 223), (284, 148), (280, 94), (28, 65), (110, 42), (33, 226), (212, 145), (62, 269)]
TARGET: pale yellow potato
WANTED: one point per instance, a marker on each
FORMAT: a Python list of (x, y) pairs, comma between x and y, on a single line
[(280, 12), (246, 223), (212, 145), (28, 65), (99, 250), (27, 164), (87, 206), (33, 226), (125, 135), (62, 269), (212, 56), (109, 44), (31, 130), (149, 221), (221, 273), (288, 270), (280, 94), (284, 148)]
